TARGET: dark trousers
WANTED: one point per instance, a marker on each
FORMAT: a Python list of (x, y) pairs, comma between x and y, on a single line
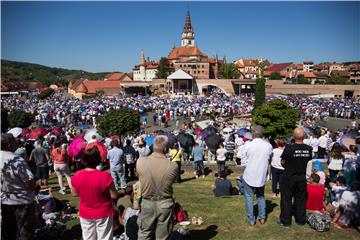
[(321, 152), (17, 221), (129, 168), (220, 166), (276, 179), (293, 188), (178, 171), (333, 175)]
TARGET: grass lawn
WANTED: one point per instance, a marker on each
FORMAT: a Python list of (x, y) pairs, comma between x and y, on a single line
[(225, 218)]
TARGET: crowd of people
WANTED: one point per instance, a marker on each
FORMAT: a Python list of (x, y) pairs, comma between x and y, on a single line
[(134, 199)]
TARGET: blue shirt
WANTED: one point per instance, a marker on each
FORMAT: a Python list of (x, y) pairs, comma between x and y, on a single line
[(198, 153), (115, 156)]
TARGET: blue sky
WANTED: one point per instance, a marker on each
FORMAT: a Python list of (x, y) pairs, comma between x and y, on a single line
[(98, 36)]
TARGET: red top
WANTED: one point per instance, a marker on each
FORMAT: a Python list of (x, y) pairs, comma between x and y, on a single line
[(93, 189), (59, 158), (315, 198)]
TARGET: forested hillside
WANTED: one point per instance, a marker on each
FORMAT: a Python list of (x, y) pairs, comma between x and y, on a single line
[(29, 72)]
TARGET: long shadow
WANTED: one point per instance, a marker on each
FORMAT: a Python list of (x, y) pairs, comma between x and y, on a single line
[(269, 208), (204, 234), (73, 233), (187, 179)]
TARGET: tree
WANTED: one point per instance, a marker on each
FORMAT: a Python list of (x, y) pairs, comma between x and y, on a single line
[(277, 118), (4, 120), (18, 118), (336, 80), (163, 70), (119, 122), (275, 76), (46, 93), (302, 80), (259, 92), (229, 71)]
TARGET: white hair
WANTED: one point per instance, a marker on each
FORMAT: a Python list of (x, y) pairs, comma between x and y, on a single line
[(160, 142)]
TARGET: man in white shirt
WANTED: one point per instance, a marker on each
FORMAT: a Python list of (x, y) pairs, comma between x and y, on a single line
[(257, 154)]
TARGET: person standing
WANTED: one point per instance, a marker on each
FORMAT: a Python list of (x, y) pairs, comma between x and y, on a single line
[(116, 159), (96, 190), (17, 197), (294, 159), (156, 175), (277, 170), (60, 159), (41, 158), (198, 154), (130, 159), (221, 158), (257, 155), (175, 155)]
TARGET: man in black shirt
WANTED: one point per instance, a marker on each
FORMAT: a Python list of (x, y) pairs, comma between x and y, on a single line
[(294, 159)]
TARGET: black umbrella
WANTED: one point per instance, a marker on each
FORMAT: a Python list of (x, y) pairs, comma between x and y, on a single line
[(171, 137), (213, 142), (186, 140), (210, 130)]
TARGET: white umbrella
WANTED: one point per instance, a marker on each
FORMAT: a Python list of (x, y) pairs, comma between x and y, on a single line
[(227, 130), (90, 133), (15, 131)]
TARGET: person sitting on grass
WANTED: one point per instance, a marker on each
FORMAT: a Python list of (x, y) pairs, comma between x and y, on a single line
[(348, 212), (315, 195), (337, 190), (319, 170), (222, 186)]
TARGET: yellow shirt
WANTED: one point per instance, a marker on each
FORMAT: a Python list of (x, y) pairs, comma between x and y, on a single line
[(175, 155)]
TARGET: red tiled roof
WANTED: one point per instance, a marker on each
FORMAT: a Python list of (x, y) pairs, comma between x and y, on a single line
[(308, 62), (278, 67), (307, 74), (298, 66), (116, 76), (251, 72), (94, 85), (81, 88), (185, 52)]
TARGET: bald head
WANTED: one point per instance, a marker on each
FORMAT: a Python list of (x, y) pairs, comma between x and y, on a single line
[(299, 134)]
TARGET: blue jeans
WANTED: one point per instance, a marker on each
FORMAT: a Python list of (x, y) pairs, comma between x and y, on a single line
[(249, 202), (118, 174), (239, 183)]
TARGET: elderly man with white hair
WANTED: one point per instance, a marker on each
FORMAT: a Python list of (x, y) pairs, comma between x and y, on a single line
[(156, 175), (257, 154)]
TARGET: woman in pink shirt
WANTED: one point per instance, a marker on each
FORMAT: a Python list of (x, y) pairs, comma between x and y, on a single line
[(96, 190), (60, 158)]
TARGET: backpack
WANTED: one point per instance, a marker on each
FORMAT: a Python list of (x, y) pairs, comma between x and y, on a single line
[(319, 222), (179, 215)]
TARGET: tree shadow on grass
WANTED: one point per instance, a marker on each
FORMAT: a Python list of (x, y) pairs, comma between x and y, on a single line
[(203, 234), (73, 233)]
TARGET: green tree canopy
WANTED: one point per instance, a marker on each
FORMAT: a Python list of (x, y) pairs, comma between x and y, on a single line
[(119, 122), (275, 76), (259, 92), (18, 118), (163, 70), (336, 80), (302, 80), (46, 93), (4, 120), (229, 71), (277, 118)]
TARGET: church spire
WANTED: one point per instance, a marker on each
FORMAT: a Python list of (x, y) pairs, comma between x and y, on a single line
[(142, 58), (187, 37)]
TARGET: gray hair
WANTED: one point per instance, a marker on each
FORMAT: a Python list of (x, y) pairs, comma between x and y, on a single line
[(160, 142), (257, 131)]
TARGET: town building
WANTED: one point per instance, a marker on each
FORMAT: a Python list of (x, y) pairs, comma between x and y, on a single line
[(308, 66), (146, 70), (191, 59)]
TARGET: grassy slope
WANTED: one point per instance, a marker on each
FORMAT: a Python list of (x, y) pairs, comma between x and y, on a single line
[(225, 218)]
